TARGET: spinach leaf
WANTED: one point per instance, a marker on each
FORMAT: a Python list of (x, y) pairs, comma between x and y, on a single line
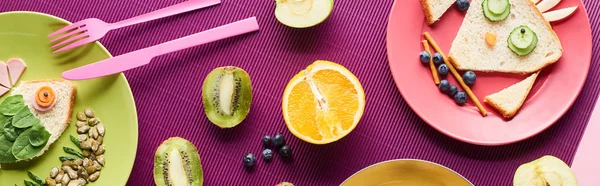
[(9, 131), (24, 118), (6, 155), (39, 136), (22, 149), (11, 105)]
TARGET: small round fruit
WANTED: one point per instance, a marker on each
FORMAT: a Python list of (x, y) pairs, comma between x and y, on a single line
[(444, 86), (176, 162), (469, 78), (267, 154), (227, 96), (285, 152), (266, 140), (302, 13), (278, 140), (443, 70), (463, 5), (453, 90), (438, 58), (425, 57), (249, 160), (460, 98)]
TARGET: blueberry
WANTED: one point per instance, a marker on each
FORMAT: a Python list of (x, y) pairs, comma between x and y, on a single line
[(285, 152), (444, 86), (425, 57), (443, 70), (249, 160), (460, 98), (453, 90), (469, 78), (267, 154), (278, 140), (463, 5), (266, 140), (438, 59)]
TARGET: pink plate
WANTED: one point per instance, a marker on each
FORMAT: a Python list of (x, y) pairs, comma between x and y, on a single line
[(554, 92)]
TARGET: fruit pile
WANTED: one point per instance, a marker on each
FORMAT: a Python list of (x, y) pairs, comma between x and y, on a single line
[(468, 77), (277, 142)]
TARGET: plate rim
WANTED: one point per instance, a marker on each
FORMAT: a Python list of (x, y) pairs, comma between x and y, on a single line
[(491, 143), (129, 91), (405, 159)]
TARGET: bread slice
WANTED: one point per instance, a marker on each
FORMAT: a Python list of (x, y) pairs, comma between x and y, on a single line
[(469, 50), (509, 100), (58, 118), (434, 9)]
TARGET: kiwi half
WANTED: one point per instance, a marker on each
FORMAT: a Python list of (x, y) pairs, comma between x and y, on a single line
[(227, 95), (177, 163)]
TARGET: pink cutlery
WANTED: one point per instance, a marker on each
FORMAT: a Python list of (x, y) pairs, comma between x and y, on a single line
[(144, 56), (92, 29)]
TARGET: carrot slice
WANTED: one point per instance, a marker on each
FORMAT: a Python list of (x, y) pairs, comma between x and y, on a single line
[(44, 96)]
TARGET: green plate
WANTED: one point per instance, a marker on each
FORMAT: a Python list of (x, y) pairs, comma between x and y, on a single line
[(23, 35)]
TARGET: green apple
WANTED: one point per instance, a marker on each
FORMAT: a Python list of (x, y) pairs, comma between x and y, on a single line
[(302, 13), (545, 171)]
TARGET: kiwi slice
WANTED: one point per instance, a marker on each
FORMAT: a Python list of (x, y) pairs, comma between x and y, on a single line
[(177, 163), (226, 96)]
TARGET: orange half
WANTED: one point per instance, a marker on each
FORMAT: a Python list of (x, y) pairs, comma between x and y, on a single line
[(323, 103)]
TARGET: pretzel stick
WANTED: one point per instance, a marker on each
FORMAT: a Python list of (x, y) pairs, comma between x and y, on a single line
[(434, 72), (456, 75)]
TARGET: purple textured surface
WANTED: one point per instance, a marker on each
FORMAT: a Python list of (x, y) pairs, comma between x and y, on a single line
[(168, 94)]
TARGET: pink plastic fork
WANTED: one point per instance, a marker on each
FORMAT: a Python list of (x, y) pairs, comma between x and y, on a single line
[(92, 29)]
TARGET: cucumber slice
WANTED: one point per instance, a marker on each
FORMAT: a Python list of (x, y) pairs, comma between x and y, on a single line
[(522, 37), (498, 6), (491, 15), (523, 51)]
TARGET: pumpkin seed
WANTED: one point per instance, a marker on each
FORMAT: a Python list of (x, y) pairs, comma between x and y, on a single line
[(92, 121), (83, 174), (90, 170), (81, 116), (81, 123), (94, 176), (65, 180), (79, 161), (67, 163), (100, 139), (50, 182), (83, 181), (100, 128), (83, 130), (100, 160), (93, 133), (72, 174), (58, 178), (75, 183), (89, 113), (94, 145), (97, 166), (86, 145), (86, 153), (81, 138), (54, 172), (59, 184), (86, 162), (100, 151)]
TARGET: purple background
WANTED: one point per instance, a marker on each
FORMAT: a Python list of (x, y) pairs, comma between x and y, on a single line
[(168, 94)]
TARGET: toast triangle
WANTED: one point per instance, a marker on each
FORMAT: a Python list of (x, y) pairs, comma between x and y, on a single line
[(469, 50), (58, 118), (434, 9), (509, 100)]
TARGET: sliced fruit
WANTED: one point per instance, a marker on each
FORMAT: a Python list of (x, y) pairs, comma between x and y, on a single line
[(16, 67), (557, 15), (498, 6), (491, 15), (323, 103), (522, 40), (546, 5), (490, 39), (302, 13), (227, 96), (177, 163), (545, 171)]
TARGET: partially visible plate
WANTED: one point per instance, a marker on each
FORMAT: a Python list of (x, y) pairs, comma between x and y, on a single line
[(406, 172), (23, 35), (554, 92)]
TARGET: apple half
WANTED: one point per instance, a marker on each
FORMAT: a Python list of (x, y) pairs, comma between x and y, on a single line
[(557, 15), (302, 13), (546, 5), (545, 171)]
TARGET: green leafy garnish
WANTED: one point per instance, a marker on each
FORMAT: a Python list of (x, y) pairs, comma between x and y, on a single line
[(11, 105), (22, 149), (39, 137), (75, 141), (74, 152), (10, 132), (35, 178), (65, 158), (30, 183), (24, 118)]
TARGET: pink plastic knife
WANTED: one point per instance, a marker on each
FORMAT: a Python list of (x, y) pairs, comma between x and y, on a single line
[(144, 56)]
